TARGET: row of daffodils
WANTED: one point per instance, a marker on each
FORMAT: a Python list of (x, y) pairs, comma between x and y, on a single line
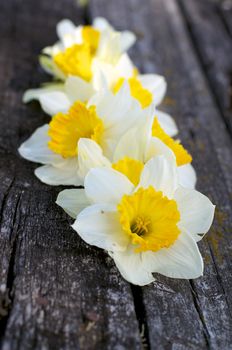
[(106, 134)]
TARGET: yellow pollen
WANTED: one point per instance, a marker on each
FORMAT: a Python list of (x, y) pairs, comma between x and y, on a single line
[(141, 94), (150, 219), (66, 129), (182, 155), (130, 167), (140, 226)]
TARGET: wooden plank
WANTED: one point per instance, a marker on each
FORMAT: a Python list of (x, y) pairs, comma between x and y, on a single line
[(64, 294), (55, 291), (181, 314), (225, 8), (214, 45)]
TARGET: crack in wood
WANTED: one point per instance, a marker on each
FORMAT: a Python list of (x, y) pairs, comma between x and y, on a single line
[(220, 283), (199, 312), (222, 10), (230, 93), (5, 196), (8, 295), (140, 312)]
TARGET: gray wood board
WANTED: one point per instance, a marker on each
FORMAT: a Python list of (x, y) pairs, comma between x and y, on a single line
[(55, 291), (208, 28), (181, 314)]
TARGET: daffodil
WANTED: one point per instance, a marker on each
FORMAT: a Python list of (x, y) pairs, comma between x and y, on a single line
[(61, 144), (148, 139), (139, 144), (104, 119), (107, 66), (152, 227), (148, 89), (80, 47), (83, 52)]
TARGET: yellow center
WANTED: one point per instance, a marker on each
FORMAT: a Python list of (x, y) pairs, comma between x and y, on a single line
[(91, 37), (150, 219), (182, 155), (141, 94), (77, 59), (130, 167), (66, 129)]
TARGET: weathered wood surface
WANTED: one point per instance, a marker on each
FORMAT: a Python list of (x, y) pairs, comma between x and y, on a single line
[(212, 39), (55, 291)]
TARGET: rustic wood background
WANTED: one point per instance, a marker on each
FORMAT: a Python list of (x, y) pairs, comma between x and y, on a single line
[(56, 292)]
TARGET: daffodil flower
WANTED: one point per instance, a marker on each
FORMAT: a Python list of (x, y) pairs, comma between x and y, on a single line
[(85, 77), (147, 228), (80, 47), (148, 89), (83, 52), (139, 144), (148, 139), (104, 119)]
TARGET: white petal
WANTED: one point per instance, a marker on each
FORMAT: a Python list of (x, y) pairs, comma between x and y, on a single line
[(196, 211), (78, 89), (110, 74), (65, 27), (135, 141), (77, 36), (108, 145), (181, 260), (156, 147), (105, 185), (167, 123), (109, 48), (99, 80), (36, 148), (119, 112), (124, 67), (54, 102), (101, 24), (34, 94), (90, 156), (102, 101), (69, 40), (112, 108), (161, 174), (60, 175), (131, 145), (125, 113), (72, 201), (187, 176), (131, 267), (127, 40), (156, 84), (99, 225), (47, 62), (48, 50)]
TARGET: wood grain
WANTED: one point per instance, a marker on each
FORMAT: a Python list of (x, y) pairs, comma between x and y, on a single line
[(195, 314), (56, 292), (212, 40)]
